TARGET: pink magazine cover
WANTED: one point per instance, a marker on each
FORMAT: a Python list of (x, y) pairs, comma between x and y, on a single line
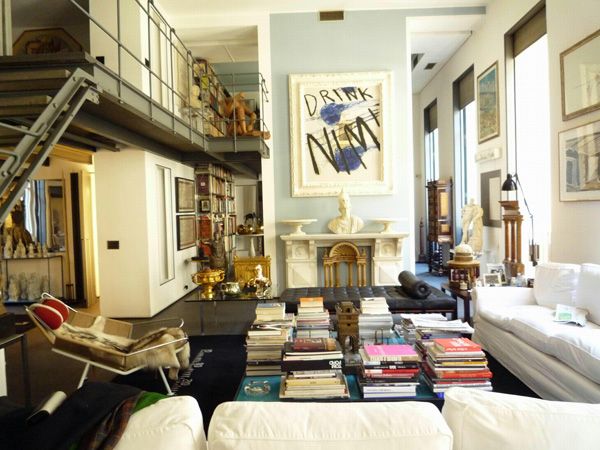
[(389, 350)]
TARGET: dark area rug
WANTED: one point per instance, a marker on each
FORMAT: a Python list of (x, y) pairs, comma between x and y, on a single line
[(217, 364)]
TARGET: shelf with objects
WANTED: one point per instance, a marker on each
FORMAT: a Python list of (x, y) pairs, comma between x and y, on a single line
[(439, 236), (215, 215), (228, 108), (25, 278)]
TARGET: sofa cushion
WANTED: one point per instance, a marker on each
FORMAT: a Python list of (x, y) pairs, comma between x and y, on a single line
[(555, 283), (535, 327), (335, 426), (501, 316), (492, 421), (587, 295), (174, 422), (579, 348)]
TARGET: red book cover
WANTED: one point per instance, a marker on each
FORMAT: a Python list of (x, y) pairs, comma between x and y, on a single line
[(453, 345)]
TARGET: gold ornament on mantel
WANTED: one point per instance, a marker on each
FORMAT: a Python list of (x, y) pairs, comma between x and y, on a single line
[(207, 278)]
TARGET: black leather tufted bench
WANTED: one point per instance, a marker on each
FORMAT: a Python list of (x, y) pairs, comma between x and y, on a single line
[(397, 300)]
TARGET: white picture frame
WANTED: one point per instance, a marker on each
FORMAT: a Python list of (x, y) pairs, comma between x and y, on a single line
[(340, 134), (492, 279)]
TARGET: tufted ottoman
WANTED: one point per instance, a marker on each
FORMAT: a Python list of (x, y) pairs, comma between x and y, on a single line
[(397, 300)]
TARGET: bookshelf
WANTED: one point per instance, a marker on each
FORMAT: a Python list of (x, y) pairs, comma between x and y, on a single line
[(215, 208)]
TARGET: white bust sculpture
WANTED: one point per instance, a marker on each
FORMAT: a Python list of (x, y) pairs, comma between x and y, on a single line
[(472, 213), (345, 223)]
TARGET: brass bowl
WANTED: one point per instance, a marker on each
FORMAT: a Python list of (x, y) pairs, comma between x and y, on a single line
[(207, 278)]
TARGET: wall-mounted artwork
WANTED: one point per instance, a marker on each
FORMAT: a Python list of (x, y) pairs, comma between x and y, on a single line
[(488, 113), (186, 232), (491, 189), (184, 195), (579, 153), (45, 40), (580, 77), (340, 133)]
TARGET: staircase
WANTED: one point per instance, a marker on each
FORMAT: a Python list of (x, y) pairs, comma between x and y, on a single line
[(36, 107)]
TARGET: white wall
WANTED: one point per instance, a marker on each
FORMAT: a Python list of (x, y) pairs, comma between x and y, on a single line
[(126, 212), (573, 223)]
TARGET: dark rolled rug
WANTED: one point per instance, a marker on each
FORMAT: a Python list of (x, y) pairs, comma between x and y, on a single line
[(217, 365)]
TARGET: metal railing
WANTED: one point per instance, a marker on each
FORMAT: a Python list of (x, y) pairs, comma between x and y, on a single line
[(177, 73)]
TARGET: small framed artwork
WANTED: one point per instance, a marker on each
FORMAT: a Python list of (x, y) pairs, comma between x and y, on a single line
[(580, 77), (205, 205), (184, 195), (497, 268), (491, 187), (579, 172), (186, 232), (488, 112), (492, 279)]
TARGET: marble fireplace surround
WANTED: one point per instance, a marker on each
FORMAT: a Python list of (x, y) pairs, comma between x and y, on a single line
[(302, 265)]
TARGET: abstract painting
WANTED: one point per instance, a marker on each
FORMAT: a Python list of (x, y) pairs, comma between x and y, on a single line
[(579, 153), (339, 134), (487, 103)]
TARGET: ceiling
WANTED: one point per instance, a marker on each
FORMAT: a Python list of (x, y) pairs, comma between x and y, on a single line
[(437, 37)]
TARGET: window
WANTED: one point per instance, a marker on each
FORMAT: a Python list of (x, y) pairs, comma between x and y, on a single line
[(531, 150), (432, 159), (465, 144)]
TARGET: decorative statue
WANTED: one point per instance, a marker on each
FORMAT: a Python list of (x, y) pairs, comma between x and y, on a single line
[(8, 247), (217, 257), (18, 231), (38, 249), (345, 223), (242, 122), (472, 214), (31, 250), (259, 284), (45, 284), (23, 286), (44, 250), (13, 289), (33, 287), (20, 251)]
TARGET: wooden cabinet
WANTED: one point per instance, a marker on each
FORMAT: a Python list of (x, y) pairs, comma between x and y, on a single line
[(439, 224)]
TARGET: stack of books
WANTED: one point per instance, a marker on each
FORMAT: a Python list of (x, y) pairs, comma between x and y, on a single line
[(407, 329), (389, 371), (456, 362), (265, 341), (313, 320), (313, 370), (270, 311), (375, 321)]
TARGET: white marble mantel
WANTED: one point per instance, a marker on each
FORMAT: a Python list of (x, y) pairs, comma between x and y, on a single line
[(301, 256)]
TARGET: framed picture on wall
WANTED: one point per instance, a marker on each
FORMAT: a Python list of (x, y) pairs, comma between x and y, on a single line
[(579, 171), (488, 111), (340, 134), (580, 77), (205, 205), (186, 232), (491, 188), (184, 195)]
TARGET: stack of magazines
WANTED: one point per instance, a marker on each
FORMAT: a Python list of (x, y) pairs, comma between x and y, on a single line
[(313, 370), (313, 320)]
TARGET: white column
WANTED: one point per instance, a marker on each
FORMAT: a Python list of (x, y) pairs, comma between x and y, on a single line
[(6, 28)]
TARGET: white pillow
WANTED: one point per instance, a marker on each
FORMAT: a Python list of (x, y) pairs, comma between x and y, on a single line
[(587, 295), (555, 283)]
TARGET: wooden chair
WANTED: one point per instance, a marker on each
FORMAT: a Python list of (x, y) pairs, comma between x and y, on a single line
[(345, 252), (243, 268)]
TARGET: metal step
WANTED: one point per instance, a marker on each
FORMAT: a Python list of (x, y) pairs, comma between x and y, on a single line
[(35, 74)]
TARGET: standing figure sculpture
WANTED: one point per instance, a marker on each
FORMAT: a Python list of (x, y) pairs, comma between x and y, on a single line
[(472, 214), (259, 284), (345, 223)]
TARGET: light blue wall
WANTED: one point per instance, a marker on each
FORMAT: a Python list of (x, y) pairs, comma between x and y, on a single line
[(364, 41)]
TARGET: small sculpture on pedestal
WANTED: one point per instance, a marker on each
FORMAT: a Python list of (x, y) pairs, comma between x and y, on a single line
[(472, 213), (13, 289), (260, 285), (23, 286), (31, 250), (20, 251), (345, 223), (45, 251), (33, 287), (38, 249), (8, 247)]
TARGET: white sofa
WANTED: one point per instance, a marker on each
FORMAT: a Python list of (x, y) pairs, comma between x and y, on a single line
[(471, 420), (516, 326)]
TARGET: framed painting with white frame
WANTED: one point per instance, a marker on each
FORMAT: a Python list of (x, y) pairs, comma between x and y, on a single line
[(488, 107), (497, 268), (186, 231), (579, 171), (492, 279), (205, 205), (184, 195), (580, 77), (340, 133)]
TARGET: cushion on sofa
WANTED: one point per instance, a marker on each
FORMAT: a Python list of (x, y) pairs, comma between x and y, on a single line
[(587, 295), (174, 422), (335, 426), (579, 348), (555, 283), (492, 421), (502, 315), (536, 326)]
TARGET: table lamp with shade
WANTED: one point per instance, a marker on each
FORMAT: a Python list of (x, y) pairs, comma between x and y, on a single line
[(512, 183)]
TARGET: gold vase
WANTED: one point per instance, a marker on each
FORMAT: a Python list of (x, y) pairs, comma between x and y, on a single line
[(207, 278)]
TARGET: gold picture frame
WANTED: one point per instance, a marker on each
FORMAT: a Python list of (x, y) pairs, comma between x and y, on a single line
[(488, 106), (580, 77)]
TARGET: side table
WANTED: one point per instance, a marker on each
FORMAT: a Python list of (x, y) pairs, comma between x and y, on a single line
[(464, 295), (22, 338)]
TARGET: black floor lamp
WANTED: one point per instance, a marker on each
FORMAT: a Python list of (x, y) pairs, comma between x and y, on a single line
[(510, 184)]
